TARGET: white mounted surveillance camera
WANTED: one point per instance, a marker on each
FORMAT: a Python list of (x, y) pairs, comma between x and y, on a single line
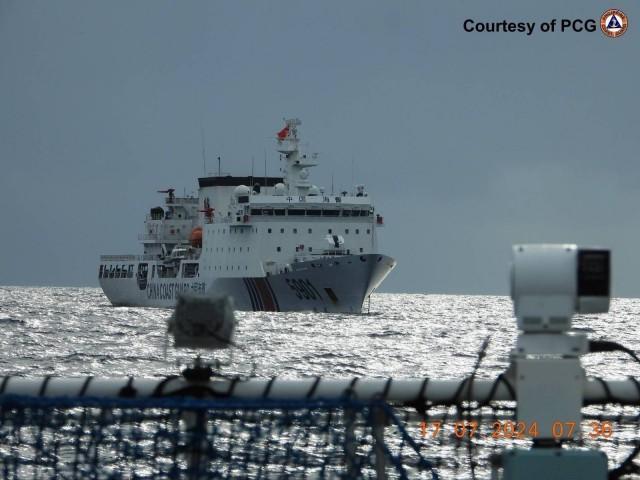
[(551, 282)]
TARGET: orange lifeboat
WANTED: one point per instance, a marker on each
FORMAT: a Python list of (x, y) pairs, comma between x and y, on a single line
[(196, 237)]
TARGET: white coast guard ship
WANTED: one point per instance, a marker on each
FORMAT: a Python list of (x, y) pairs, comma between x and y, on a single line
[(274, 244)]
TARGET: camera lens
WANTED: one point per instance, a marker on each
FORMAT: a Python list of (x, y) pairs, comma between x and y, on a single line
[(594, 268)]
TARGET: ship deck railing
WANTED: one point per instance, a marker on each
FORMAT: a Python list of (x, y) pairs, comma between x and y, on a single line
[(181, 200), (164, 238), (286, 428), (128, 258)]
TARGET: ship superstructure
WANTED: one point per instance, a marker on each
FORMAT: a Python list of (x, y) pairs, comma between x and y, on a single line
[(272, 243)]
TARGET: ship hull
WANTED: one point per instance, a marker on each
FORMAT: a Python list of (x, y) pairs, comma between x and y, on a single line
[(339, 284)]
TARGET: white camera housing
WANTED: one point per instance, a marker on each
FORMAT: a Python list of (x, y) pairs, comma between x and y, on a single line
[(551, 282)]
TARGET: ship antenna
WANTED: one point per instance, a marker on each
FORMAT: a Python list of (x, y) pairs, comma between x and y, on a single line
[(352, 170), (252, 162), (204, 153), (219, 174), (265, 167)]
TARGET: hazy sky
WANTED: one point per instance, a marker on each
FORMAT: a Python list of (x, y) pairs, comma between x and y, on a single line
[(468, 142)]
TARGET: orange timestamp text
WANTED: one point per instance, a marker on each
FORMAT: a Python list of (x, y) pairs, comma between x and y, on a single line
[(509, 429)]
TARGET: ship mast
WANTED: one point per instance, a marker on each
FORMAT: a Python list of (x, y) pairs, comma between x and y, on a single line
[(296, 169)]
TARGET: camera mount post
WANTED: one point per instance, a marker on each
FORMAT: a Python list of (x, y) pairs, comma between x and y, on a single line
[(200, 322)]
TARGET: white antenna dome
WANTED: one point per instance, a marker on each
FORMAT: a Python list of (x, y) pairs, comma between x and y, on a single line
[(313, 190), (279, 189), (241, 191)]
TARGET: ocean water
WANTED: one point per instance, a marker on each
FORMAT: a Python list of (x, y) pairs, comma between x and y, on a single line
[(76, 331)]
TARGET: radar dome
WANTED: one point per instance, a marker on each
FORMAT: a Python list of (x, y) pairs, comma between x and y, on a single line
[(279, 189), (313, 190), (241, 191)]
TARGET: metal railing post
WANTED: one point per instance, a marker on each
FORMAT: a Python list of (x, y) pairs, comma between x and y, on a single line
[(350, 443), (379, 421)]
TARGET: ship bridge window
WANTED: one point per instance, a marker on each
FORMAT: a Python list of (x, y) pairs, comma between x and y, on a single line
[(279, 212), (357, 231), (313, 213), (157, 213), (256, 211), (130, 271), (331, 213), (189, 270), (243, 199), (267, 211), (310, 230), (278, 249), (368, 231), (268, 230), (296, 212), (295, 230), (282, 230), (101, 270), (346, 213)]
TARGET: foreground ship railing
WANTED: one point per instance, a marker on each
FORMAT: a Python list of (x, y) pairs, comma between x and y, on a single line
[(256, 428), (180, 437)]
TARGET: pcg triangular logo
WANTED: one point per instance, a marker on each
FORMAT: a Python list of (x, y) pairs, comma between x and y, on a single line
[(613, 23)]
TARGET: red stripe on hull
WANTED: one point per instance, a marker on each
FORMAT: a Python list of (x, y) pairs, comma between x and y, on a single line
[(265, 295)]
